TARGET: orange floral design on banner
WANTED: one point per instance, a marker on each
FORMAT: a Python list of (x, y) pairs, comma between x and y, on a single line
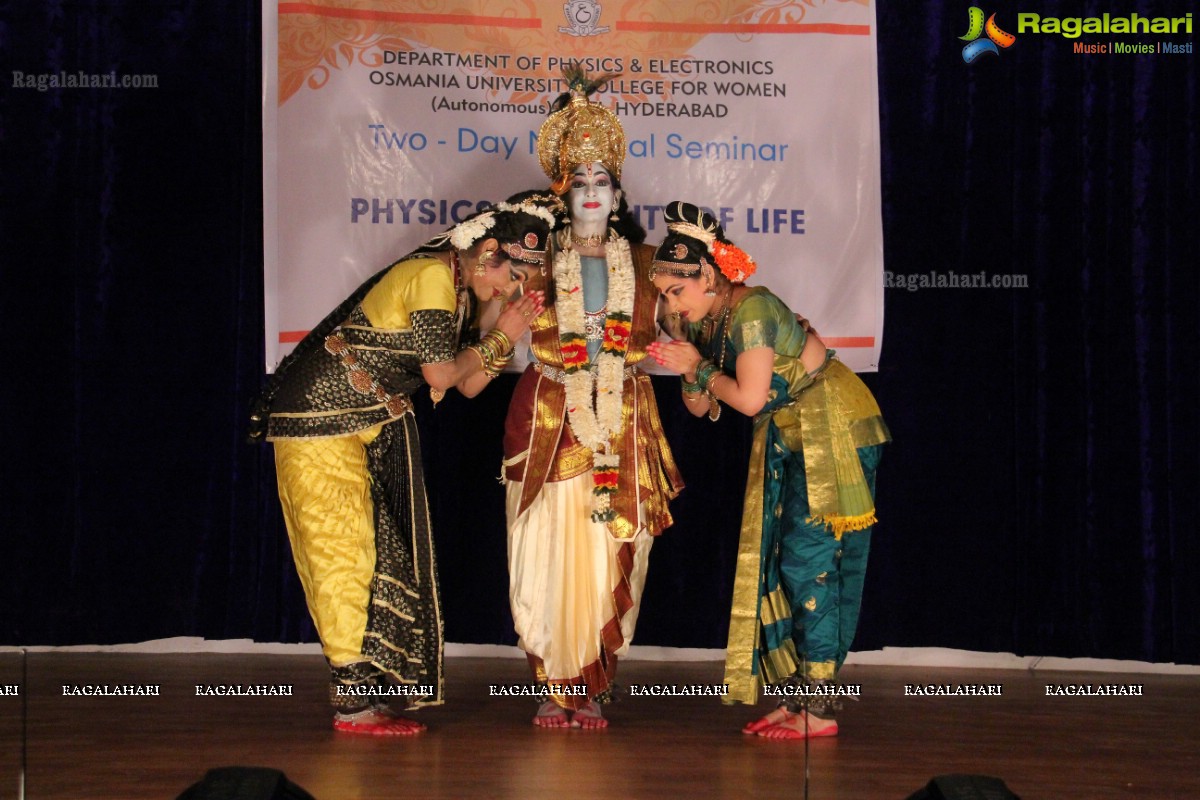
[(321, 36)]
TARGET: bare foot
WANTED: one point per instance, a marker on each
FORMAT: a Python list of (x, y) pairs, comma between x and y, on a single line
[(774, 718), (589, 717), (794, 727), (551, 715), (374, 722)]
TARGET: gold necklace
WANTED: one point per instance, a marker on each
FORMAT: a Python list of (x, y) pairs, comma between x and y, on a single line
[(711, 321), (592, 240)]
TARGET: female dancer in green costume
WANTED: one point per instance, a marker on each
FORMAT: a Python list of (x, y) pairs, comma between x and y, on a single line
[(809, 503)]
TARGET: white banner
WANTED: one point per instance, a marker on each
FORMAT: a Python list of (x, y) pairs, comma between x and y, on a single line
[(386, 122)]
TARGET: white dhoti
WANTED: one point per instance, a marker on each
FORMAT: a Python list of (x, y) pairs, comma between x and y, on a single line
[(575, 590)]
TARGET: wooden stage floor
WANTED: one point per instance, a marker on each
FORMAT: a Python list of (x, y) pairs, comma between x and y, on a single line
[(1078, 747)]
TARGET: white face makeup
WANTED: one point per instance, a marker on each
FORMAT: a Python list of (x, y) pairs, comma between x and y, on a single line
[(591, 199)]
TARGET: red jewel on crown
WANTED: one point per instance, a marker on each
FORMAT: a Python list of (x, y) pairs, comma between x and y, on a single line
[(531, 240)]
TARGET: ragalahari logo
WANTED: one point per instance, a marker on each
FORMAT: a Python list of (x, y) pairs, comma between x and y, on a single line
[(976, 27)]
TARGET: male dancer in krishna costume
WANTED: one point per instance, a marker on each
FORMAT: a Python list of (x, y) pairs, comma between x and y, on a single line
[(587, 468)]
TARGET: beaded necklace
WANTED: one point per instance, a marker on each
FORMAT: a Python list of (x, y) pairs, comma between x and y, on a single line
[(717, 340)]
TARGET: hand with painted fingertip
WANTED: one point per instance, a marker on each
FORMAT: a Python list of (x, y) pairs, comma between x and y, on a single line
[(677, 356), (517, 316)]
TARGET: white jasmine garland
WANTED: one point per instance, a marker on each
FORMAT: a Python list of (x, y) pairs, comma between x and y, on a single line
[(468, 232), (540, 212), (595, 393)]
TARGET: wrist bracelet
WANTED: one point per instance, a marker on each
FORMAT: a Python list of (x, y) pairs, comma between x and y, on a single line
[(501, 338), (495, 351), (705, 372), (688, 386)]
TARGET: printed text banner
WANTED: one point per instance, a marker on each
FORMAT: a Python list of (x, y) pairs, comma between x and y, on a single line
[(386, 123)]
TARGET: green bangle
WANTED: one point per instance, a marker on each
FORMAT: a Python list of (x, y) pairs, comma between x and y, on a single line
[(688, 387), (705, 373)]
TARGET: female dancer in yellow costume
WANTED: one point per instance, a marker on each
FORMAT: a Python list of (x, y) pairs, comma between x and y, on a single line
[(587, 468), (348, 459)]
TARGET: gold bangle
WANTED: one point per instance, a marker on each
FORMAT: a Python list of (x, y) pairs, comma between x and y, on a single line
[(477, 350), (501, 340)]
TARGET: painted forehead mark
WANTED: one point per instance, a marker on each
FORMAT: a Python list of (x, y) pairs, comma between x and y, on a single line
[(590, 169)]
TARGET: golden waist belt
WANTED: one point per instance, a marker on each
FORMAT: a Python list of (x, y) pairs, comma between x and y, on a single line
[(560, 376)]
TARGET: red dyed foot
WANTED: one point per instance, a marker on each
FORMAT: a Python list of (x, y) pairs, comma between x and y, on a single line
[(374, 722), (551, 715), (793, 727), (589, 717), (774, 718)]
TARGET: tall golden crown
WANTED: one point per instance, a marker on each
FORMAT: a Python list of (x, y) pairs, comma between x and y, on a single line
[(580, 133)]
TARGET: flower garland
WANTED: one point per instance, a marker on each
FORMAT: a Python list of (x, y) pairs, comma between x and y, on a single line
[(469, 231), (541, 212), (734, 262), (595, 393)]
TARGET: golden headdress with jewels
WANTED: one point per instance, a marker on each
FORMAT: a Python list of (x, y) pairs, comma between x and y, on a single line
[(579, 133)]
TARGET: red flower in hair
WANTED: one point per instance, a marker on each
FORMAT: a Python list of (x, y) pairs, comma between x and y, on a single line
[(735, 264)]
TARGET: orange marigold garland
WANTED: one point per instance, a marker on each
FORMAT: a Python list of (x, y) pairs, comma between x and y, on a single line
[(605, 475), (574, 352), (618, 327)]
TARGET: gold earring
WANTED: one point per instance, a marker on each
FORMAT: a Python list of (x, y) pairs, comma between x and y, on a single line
[(710, 278), (481, 264)]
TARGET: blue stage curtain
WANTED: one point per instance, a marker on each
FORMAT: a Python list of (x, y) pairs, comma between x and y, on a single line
[(1040, 497)]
